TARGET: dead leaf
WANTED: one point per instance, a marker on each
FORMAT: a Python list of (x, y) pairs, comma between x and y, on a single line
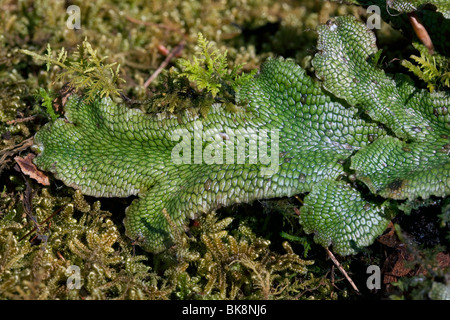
[(28, 168), (403, 264), (64, 93), (389, 238)]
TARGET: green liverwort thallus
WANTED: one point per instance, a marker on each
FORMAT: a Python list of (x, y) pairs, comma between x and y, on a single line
[(109, 150)]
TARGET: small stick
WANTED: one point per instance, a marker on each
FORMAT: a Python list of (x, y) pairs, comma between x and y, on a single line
[(21, 120), (151, 24), (9, 151), (331, 255), (19, 147), (45, 221), (299, 199), (166, 61)]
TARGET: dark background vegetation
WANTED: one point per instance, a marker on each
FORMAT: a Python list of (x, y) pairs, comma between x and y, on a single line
[(46, 229)]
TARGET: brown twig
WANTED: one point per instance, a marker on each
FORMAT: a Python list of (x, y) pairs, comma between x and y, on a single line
[(151, 24), (166, 61), (45, 221), (336, 262), (21, 120), (12, 150), (19, 147)]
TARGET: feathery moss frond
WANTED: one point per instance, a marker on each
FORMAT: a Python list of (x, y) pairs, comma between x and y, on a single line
[(84, 70), (434, 69), (209, 70)]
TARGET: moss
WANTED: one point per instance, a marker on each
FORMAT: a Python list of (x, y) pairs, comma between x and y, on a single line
[(213, 264), (36, 253), (434, 70)]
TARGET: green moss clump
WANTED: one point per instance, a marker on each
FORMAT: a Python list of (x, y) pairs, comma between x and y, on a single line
[(214, 264), (434, 70), (38, 248), (86, 70), (63, 234)]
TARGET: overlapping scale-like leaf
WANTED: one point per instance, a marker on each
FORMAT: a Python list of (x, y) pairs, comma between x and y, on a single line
[(415, 161), (338, 216), (301, 136)]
